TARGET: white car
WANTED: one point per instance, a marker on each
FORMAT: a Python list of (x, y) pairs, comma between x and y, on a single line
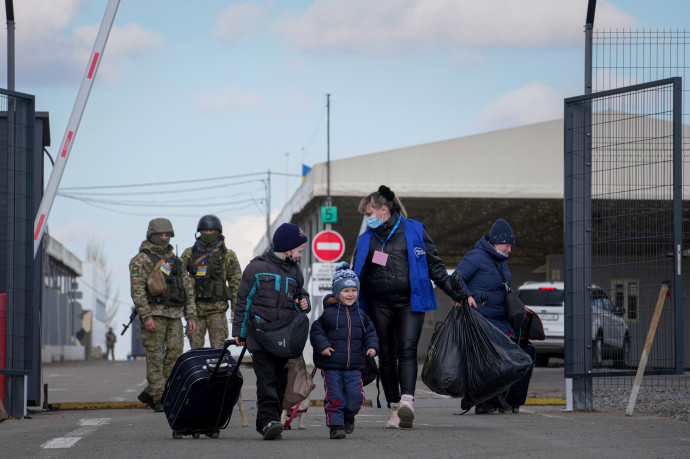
[(610, 337)]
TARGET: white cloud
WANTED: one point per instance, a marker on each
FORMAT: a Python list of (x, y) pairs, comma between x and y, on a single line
[(405, 25), (243, 233), (532, 103), (228, 99), (48, 51), (237, 20), (606, 79)]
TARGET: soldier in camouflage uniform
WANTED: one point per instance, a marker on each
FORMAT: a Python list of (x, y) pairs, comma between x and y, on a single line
[(216, 274), (110, 340), (161, 332)]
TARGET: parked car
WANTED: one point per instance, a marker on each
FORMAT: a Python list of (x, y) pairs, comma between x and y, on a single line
[(610, 336)]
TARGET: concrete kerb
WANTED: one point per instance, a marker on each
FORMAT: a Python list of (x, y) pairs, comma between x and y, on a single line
[(422, 403)]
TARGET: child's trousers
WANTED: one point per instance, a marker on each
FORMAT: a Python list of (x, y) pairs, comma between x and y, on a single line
[(344, 395)]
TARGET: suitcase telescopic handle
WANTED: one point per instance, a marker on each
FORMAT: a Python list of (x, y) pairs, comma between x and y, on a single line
[(228, 343)]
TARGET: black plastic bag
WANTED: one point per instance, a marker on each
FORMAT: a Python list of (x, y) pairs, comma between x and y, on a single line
[(493, 362), (443, 371)]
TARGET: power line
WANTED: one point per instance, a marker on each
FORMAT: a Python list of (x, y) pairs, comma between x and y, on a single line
[(174, 182), (134, 193)]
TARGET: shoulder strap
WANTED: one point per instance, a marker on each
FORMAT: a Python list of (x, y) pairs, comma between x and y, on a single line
[(503, 278), (208, 254)]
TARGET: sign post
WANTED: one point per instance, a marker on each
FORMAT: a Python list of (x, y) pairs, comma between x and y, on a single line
[(328, 246), (322, 278)]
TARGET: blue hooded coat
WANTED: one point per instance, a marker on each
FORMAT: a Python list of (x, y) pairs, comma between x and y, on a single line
[(347, 330), (482, 281)]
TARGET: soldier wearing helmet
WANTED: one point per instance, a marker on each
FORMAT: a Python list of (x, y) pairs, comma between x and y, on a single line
[(162, 294), (216, 274)]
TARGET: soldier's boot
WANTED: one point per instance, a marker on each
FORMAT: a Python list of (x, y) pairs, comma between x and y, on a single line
[(146, 398)]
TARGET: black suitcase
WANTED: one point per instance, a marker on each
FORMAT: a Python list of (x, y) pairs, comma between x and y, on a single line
[(202, 390)]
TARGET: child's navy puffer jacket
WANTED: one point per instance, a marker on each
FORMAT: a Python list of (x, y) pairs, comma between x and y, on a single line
[(347, 330)]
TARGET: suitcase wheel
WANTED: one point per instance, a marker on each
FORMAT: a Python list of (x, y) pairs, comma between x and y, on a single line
[(215, 434), (176, 435), (196, 435)]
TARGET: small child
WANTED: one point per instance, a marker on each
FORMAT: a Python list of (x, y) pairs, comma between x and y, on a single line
[(340, 338)]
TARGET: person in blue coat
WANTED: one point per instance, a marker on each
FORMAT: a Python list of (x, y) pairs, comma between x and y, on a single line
[(340, 338), (483, 283)]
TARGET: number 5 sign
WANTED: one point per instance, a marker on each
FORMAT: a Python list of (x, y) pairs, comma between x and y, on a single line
[(329, 214)]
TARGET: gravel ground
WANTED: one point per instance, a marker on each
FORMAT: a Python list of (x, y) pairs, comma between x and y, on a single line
[(673, 403)]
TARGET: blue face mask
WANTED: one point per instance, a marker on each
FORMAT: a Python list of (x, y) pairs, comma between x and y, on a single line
[(373, 222), (504, 255)]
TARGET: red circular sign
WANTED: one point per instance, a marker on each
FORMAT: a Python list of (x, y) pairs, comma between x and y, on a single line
[(328, 246)]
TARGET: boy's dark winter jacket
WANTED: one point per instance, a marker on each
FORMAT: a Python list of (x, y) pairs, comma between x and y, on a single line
[(346, 329), (269, 289)]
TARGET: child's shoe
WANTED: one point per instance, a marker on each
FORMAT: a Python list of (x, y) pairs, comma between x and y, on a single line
[(337, 432), (393, 421), (406, 411), (349, 425)]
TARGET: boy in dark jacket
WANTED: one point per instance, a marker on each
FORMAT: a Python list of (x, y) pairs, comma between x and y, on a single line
[(271, 288), (340, 338)]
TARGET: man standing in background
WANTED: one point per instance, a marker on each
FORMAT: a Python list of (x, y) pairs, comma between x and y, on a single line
[(110, 340)]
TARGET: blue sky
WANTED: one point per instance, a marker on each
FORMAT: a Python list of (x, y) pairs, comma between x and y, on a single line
[(188, 91)]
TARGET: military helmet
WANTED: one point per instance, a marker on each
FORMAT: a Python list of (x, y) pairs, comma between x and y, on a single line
[(209, 222), (160, 225)]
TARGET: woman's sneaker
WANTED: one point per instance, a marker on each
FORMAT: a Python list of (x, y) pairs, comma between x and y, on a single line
[(406, 411), (337, 432), (349, 425), (393, 421), (483, 408)]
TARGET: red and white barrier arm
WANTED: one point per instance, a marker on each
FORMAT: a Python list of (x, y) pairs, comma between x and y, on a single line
[(73, 124)]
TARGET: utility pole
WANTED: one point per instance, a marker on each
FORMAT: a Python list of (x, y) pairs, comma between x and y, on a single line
[(328, 154), (9, 12), (268, 208)]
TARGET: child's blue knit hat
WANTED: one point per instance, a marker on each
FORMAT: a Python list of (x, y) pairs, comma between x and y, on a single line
[(344, 277)]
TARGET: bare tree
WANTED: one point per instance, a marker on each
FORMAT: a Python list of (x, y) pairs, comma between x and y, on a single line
[(95, 252)]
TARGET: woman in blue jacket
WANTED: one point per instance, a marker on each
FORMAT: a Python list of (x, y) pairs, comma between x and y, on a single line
[(483, 283), (396, 260)]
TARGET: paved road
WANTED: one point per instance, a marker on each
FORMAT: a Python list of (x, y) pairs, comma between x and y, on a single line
[(537, 431)]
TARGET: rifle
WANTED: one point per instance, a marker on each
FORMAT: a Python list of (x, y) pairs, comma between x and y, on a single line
[(131, 319)]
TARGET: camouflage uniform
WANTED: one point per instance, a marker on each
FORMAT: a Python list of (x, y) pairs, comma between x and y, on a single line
[(211, 314), (110, 340), (165, 343)]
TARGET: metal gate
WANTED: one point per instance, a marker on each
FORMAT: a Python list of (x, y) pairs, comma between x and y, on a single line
[(16, 246), (623, 229)]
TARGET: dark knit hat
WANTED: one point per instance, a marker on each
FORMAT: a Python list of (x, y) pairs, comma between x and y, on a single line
[(287, 237), (344, 277), (501, 233)]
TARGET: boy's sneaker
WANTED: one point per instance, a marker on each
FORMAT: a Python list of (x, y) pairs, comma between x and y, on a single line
[(406, 411), (349, 425), (337, 432), (146, 399), (272, 430), (393, 421)]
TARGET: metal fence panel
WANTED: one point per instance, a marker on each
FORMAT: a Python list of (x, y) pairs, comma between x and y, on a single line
[(16, 244), (623, 217)]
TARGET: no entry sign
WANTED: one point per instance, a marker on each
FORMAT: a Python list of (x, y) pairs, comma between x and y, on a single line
[(328, 246)]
